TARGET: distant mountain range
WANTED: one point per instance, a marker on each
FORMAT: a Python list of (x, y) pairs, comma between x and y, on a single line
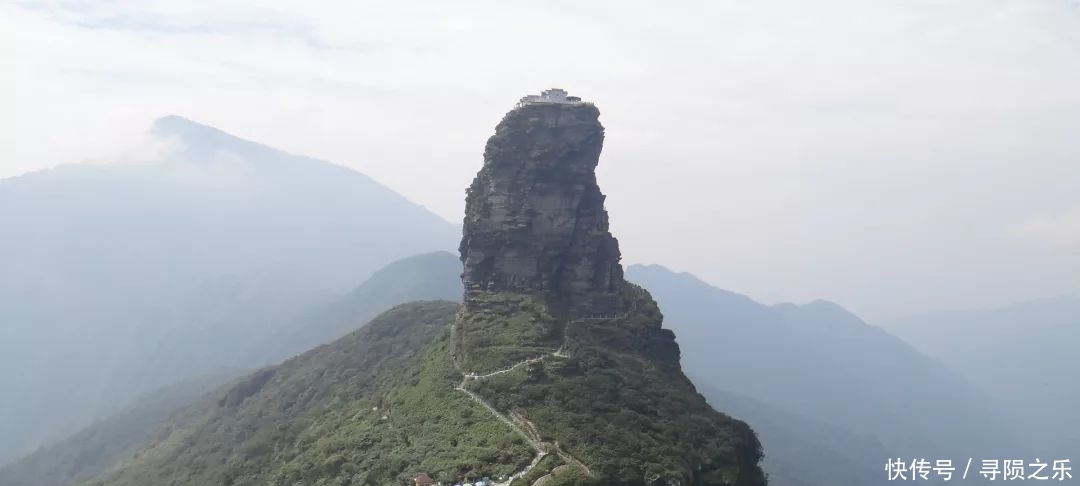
[(817, 367), (117, 279), (1023, 355)]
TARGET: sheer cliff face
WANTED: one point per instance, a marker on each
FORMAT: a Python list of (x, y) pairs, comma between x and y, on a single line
[(535, 218)]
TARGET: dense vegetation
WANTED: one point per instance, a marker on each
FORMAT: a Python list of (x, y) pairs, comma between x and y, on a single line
[(615, 399), (503, 329), (375, 407), (380, 405)]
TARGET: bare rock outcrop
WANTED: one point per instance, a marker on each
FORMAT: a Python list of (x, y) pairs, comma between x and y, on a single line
[(535, 218)]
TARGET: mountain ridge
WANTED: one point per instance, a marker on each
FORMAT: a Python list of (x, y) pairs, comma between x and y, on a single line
[(1029, 346), (827, 364)]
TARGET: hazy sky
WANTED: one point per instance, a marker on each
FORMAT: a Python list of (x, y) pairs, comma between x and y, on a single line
[(891, 155)]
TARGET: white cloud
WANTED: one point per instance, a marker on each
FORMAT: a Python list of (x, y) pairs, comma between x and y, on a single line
[(148, 149), (870, 152), (1058, 231)]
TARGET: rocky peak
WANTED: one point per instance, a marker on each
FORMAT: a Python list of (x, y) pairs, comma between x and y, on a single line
[(553, 339), (534, 219)]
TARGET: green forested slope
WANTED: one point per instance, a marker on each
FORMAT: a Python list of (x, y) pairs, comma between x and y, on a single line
[(372, 408), (609, 395)]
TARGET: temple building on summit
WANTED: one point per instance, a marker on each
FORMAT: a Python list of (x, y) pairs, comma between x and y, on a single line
[(553, 95)]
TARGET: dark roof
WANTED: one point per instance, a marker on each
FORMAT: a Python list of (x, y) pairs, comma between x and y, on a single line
[(423, 479)]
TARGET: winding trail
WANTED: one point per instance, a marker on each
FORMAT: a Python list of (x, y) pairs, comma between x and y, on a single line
[(474, 376), (516, 421)]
